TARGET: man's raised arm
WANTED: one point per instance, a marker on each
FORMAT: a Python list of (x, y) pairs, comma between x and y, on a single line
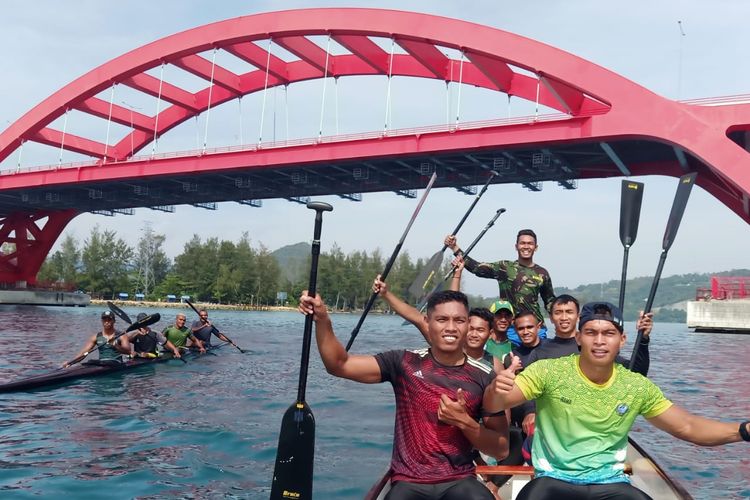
[(337, 361), (503, 393)]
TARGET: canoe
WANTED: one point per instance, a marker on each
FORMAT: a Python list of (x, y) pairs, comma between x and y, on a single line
[(87, 369), (645, 474)]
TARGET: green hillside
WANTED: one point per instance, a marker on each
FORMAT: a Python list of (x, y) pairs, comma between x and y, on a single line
[(293, 261)]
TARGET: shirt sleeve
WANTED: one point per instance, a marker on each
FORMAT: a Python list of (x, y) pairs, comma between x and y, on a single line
[(531, 380), (654, 403), (390, 364), (547, 291), (482, 269), (160, 338)]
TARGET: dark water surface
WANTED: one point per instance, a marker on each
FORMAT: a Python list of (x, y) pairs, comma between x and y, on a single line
[(209, 429)]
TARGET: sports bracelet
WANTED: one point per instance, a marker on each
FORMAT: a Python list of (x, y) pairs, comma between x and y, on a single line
[(743, 431)]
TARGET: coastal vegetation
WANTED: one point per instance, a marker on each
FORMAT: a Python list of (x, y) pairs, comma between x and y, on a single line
[(243, 272)]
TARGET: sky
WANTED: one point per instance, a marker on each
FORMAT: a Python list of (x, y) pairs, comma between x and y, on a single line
[(47, 44)]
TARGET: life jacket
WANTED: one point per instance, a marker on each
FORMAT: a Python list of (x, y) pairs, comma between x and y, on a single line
[(145, 343), (107, 350)]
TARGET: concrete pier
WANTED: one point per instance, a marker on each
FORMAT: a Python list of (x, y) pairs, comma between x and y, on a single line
[(44, 298), (730, 316)]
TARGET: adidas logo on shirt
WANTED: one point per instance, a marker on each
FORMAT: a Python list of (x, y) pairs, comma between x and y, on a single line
[(418, 373)]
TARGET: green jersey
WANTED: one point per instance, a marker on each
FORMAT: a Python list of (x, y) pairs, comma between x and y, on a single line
[(581, 427), (178, 336), (498, 349)]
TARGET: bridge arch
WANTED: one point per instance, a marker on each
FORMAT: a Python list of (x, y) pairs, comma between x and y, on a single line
[(607, 106)]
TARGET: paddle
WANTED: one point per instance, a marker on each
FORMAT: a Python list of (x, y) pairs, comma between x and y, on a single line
[(675, 217), (214, 330), (390, 262), (421, 306), (293, 472), (630, 213), (428, 271), (148, 320)]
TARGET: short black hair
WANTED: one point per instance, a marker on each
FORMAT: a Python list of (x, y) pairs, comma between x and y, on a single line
[(526, 232), (485, 314), (525, 312), (565, 299), (446, 296)]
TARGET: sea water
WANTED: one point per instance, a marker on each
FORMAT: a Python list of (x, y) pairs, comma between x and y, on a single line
[(209, 428)]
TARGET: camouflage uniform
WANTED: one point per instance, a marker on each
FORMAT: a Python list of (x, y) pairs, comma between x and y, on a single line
[(519, 285)]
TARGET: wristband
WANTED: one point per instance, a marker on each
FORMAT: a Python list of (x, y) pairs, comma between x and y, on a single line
[(743, 431)]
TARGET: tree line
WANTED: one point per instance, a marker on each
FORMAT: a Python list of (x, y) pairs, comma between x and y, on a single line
[(219, 271)]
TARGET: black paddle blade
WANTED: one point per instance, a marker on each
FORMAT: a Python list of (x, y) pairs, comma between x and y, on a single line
[(293, 472), (147, 321), (423, 281), (119, 312), (678, 209), (630, 211)]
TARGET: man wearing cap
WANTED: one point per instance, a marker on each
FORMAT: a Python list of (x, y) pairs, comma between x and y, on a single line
[(520, 281), (178, 334), (498, 344), (203, 328), (586, 405), (145, 341), (111, 343)]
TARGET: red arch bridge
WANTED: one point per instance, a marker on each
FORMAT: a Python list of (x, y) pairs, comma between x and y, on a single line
[(596, 124)]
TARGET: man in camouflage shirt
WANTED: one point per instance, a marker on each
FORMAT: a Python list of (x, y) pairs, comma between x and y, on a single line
[(520, 281)]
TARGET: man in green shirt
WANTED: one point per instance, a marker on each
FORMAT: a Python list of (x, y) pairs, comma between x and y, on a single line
[(178, 334), (498, 344), (586, 405)]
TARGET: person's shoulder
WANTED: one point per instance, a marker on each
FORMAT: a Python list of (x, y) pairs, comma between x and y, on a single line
[(478, 364)]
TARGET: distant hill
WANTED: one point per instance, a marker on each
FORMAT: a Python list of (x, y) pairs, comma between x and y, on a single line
[(670, 294), (293, 260)]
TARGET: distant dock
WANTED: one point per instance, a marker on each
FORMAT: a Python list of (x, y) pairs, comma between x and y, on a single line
[(724, 308)]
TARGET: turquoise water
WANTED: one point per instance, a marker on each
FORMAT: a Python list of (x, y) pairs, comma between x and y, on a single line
[(208, 429)]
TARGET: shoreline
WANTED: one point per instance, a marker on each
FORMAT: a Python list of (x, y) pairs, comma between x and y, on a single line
[(209, 306)]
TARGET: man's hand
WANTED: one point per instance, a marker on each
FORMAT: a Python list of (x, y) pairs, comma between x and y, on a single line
[(176, 353), (528, 424), (506, 379), (315, 306), (379, 286), (645, 321), (454, 412), (451, 242)]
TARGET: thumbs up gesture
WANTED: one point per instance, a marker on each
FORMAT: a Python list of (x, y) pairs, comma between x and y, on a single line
[(506, 379), (453, 412)]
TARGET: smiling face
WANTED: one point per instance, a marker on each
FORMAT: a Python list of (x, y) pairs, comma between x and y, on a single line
[(448, 324), (526, 246), (479, 332), (600, 342), (564, 317), (503, 319), (180, 321), (527, 328)]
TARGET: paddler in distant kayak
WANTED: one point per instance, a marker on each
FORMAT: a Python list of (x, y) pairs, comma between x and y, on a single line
[(202, 328), (586, 405), (146, 341), (112, 343), (439, 399), (178, 334)]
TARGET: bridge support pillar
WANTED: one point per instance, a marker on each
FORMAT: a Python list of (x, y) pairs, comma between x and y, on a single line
[(25, 240)]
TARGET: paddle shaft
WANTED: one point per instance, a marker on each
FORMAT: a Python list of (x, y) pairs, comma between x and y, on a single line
[(390, 263), (215, 330), (422, 280), (465, 253), (623, 277), (684, 188)]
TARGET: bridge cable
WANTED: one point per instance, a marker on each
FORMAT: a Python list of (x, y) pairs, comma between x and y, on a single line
[(265, 91), (460, 84), (210, 94), (325, 81), (109, 122), (239, 102), (275, 100), (20, 152), (509, 98), (448, 102), (62, 141), (158, 110), (538, 82), (336, 100), (388, 92), (286, 109)]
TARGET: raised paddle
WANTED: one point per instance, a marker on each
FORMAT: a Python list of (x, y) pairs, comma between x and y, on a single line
[(390, 262), (673, 224), (119, 313), (630, 213), (293, 472), (148, 320), (417, 289), (421, 306), (214, 330)]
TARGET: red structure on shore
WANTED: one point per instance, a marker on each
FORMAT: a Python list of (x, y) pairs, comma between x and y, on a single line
[(606, 126)]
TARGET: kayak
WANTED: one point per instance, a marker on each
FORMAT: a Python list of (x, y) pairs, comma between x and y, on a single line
[(645, 474), (88, 369)]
